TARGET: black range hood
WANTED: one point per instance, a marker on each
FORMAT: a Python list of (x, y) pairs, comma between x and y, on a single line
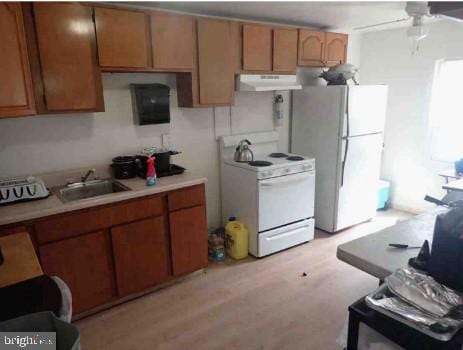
[(450, 9)]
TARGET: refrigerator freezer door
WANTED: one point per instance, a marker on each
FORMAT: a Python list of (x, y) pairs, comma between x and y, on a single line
[(358, 179), (366, 110)]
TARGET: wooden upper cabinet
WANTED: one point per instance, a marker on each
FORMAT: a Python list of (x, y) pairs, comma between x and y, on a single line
[(173, 41), (284, 50), (141, 255), (311, 48), (257, 47), (336, 49), (68, 58), (123, 38), (16, 93), (215, 62)]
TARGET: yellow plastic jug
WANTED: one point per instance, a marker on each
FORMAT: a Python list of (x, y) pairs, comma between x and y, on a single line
[(237, 239)]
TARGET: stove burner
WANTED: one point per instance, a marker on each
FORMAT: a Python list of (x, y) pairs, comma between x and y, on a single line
[(259, 163), (295, 158), (277, 155)]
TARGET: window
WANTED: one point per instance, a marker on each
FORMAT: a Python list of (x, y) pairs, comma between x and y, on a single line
[(446, 111)]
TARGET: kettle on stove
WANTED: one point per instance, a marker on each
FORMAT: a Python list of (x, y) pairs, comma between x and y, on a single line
[(243, 153)]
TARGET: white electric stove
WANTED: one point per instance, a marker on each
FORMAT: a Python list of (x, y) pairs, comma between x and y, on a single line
[(273, 195)]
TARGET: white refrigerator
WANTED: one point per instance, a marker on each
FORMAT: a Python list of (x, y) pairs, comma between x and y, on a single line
[(342, 128)]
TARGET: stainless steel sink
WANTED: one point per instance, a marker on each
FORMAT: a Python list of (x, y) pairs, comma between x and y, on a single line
[(89, 189)]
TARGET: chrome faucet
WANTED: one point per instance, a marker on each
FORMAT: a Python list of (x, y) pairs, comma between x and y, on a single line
[(87, 175)]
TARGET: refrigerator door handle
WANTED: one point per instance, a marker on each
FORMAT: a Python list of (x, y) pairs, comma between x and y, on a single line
[(347, 112), (346, 138), (344, 160)]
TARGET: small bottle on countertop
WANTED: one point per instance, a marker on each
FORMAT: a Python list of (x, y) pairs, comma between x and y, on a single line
[(150, 172)]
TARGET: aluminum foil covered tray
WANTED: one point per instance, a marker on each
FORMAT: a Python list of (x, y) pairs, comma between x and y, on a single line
[(420, 302)]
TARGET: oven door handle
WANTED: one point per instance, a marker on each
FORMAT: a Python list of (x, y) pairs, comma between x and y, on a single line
[(285, 180)]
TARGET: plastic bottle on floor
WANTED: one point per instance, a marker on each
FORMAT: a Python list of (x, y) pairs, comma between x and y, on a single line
[(237, 239)]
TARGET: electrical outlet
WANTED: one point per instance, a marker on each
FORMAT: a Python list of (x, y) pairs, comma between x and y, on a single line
[(166, 140)]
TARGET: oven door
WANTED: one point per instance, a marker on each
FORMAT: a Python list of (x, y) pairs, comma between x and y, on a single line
[(286, 199)]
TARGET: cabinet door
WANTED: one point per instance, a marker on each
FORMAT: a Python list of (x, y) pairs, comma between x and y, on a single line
[(336, 49), (16, 98), (284, 50), (85, 264), (215, 66), (122, 38), (141, 255), (188, 235), (311, 48), (172, 41), (257, 47), (67, 50)]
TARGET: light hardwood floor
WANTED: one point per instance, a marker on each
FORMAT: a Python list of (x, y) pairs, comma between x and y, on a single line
[(253, 304)]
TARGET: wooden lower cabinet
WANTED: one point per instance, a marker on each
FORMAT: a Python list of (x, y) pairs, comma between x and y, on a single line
[(85, 264), (141, 255), (110, 252), (188, 234)]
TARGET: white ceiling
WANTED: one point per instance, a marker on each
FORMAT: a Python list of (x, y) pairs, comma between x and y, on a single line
[(343, 16)]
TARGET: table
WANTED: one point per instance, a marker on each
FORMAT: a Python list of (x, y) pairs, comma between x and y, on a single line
[(21, 262), (399, 333), (456, 185), (372, 253), (450, 174)]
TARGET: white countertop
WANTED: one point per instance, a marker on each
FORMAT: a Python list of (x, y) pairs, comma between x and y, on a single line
[(372, 253), (24, 211)]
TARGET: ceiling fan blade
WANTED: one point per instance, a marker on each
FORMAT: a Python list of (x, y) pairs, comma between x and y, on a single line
[(382, 23)]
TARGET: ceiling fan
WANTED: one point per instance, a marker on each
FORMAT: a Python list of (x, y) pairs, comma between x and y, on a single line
[(416, 11)]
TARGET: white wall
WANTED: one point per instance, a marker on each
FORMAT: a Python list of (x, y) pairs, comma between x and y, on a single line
[(386, 59), (39, 144)]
